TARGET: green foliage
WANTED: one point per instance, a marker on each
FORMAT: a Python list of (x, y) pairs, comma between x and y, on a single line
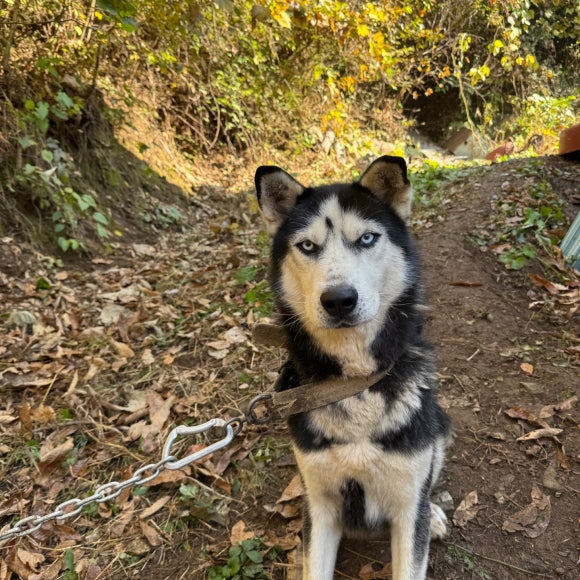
[(545, 115), (245, 561), (203, 505), (528, 223), (244, 75), (69, 560), (224, 70), (246, 274), (259, 295), (431, 191)]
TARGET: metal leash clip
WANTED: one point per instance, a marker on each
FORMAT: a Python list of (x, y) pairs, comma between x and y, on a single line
[(228, 431), (231, 429)]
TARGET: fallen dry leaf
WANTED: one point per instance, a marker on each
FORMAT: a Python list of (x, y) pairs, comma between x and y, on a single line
[(138, 547), (466, 510), (169, 476), (567, 404), (235, 335), (147, 357), (239, 533), (552, 287), (525, 415), (50, 572), (285, 543), (527, 368), (561, 455), (151, 535), (154, 507), (43, 414), (4, 574), (376, 571), (533, 520), (50, 454), (286, 510), (292, 491), (112, 313), (24, 563), (6, 418), (25, 419), (122, 521), (123, 349), (539, 433), (159, 409)]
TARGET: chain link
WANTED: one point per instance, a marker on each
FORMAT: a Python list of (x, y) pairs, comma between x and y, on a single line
[(111, 490)]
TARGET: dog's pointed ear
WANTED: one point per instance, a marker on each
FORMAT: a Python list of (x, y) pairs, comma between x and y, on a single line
[(277, 194), (386, 178)]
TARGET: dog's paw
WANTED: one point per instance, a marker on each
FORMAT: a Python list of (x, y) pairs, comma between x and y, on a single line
[(438, 526)]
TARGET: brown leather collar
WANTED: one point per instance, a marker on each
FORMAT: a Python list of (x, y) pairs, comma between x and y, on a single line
[(310, 396)]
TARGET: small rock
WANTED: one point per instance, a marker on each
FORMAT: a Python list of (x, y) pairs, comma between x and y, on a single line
[(138, 547), (444, 500), (144, 250), (533, 388), (111, 314), (21, 318), (550, 479)]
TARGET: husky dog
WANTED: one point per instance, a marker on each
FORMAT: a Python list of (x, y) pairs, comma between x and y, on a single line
[(346, 281)]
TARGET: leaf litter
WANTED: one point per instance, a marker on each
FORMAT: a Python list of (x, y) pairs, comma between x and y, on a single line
[(97, 366)]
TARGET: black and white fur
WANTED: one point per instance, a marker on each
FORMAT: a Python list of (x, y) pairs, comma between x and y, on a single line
[(345, 276)]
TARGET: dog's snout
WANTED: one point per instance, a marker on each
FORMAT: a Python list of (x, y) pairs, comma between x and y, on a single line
[(339, 301)]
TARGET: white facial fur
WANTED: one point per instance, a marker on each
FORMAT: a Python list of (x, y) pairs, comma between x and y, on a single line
[(378, 273)]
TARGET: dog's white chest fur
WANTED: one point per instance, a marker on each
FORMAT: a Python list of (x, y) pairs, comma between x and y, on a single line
[(391, 481)]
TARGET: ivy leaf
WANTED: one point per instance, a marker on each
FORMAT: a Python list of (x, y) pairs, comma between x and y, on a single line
[(47, 155), (64, 100), (42, 110), (246, 274), (43, 284), (26, 142), (100, 218)]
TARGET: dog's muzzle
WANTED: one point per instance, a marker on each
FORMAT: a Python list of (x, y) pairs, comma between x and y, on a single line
[(339, 302)]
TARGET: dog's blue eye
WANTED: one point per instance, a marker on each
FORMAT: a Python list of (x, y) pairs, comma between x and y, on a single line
[(368, 239), (307, 247)]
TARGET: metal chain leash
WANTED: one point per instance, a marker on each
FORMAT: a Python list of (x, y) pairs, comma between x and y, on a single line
[(104, 493)]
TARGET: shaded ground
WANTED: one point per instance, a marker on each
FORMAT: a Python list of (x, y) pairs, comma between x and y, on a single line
[(123, 349)]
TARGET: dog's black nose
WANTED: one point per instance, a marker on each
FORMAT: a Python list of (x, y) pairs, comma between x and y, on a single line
[(339, 301)]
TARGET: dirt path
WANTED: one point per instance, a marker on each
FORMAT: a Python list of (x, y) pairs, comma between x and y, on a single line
[(125, 348)]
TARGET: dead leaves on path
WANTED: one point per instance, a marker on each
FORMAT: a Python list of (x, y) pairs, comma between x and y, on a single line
[(466, 510), (533, 519), (96, 368), (544, 430)]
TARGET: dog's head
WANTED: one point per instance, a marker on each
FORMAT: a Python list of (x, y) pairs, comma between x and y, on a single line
[(339, 251)]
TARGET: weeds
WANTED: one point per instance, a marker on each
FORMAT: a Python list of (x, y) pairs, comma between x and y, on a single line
[(468, 561), (527, 222), (245, 561), (202, 504), (431, 186), (48, 173)]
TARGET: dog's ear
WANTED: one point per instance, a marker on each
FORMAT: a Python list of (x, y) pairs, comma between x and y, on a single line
[(386, 178), (277, 194)]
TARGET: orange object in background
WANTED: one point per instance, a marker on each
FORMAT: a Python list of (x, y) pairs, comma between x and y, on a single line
[(570, 140)]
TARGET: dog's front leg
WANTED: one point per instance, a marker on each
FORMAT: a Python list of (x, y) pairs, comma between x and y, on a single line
[(410, 543), (321, 541)]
